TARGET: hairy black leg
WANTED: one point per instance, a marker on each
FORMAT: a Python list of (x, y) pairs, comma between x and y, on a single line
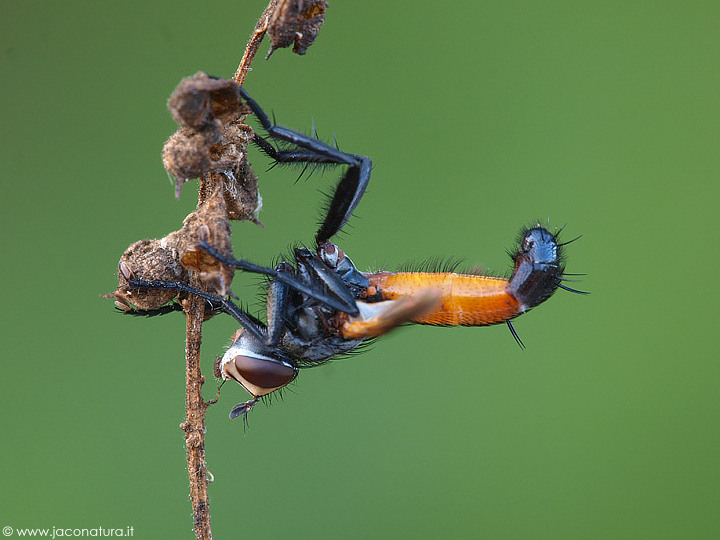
[(347, 196), (246, 321), (164, 310), (352, 185), (344, 303)]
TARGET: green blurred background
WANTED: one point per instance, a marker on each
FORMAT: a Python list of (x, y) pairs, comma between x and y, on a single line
[(479, 118)]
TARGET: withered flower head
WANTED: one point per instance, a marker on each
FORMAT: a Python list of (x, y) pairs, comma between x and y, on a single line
[(170, 258), (208, 223), (203, 102), (212, 136), (149, 260), (297, 23)]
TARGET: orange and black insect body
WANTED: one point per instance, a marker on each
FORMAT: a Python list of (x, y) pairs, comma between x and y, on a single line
[(475, 300)]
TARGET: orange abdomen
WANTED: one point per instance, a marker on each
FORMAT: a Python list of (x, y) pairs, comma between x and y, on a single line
[(466, 300)]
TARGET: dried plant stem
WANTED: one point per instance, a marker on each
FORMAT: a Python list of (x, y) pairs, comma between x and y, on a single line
[(195, 405), (194, 425), (254, 43)]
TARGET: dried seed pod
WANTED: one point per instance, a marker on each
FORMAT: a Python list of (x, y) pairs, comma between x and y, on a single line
[(170, 258), (186, 155), (211, 136), (233, 176), (208, 223), (297, 23), (203, 102), (149, 260)]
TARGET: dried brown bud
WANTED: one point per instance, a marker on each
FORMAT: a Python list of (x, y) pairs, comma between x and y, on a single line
[(170, 258), (236, 180), (297, 23), (149, 260), (205, 102), (208, 223), (186, 155), (211, 136)]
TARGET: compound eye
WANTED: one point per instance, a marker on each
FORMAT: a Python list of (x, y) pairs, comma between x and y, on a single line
[(259, 376)]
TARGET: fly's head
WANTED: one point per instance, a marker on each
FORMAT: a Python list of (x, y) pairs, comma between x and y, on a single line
[(254, 366)]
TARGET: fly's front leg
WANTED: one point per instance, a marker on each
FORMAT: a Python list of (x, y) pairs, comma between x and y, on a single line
[(218, 303), (339, 299)]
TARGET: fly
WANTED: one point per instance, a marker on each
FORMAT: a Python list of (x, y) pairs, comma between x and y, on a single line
[(320, 305)]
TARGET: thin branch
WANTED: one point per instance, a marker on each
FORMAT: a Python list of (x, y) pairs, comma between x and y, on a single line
[(195, 406), (254, 43), (194, 425)]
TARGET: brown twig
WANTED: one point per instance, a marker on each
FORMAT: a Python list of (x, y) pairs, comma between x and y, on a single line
[(195, 405), (194, 425), (254, 43)]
